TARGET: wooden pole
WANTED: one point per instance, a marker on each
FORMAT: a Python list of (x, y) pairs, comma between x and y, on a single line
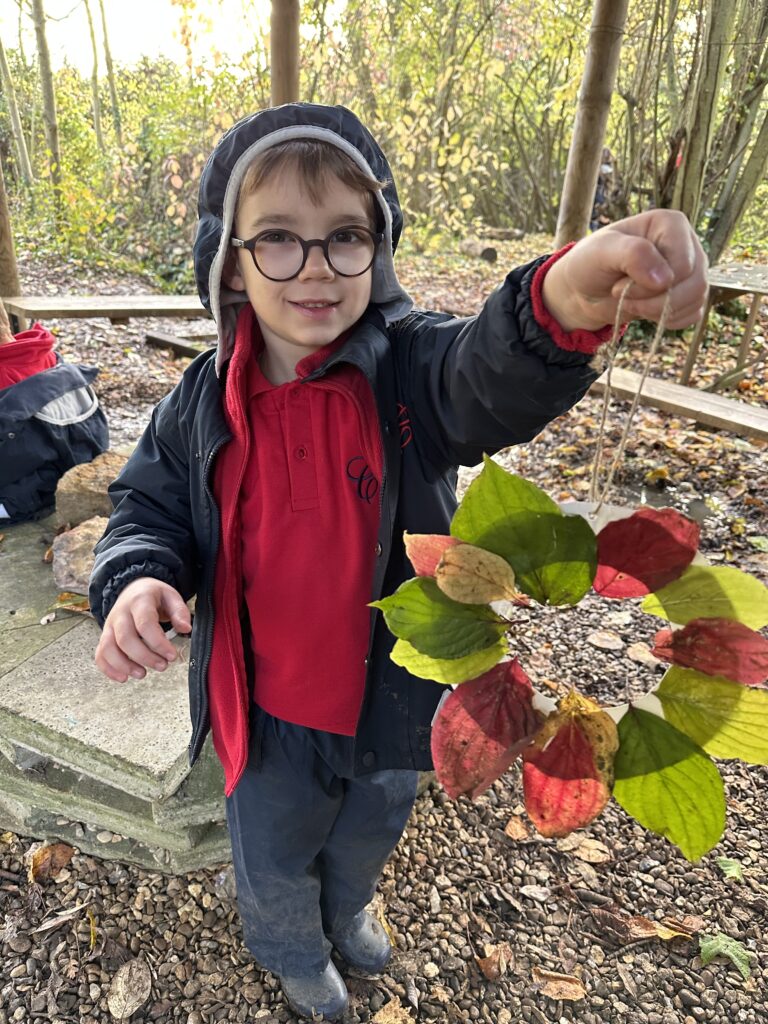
[(603, 52), (284, 50)]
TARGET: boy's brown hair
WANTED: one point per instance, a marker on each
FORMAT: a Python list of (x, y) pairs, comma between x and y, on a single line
[(314, 161)]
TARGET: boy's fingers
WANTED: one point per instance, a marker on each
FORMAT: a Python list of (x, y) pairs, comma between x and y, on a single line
[(113, 663), (143, 640)]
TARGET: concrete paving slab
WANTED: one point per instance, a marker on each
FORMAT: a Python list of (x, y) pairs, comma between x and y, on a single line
[(200, 797), (27, 593), (132, 736)]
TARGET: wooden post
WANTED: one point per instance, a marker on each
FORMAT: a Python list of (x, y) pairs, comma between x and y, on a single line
[(603, 52), (9, 273), (284, 50)]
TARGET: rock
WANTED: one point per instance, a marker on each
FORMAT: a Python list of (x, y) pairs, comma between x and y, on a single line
[(82, 491), (73, 555)]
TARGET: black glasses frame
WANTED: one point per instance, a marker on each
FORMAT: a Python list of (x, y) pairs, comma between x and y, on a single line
[(377, 237)]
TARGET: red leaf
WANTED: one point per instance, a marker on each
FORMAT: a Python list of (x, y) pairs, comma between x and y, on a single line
[(426, 549), (568, 769), (482, 728), (645, 552), (717, 647)]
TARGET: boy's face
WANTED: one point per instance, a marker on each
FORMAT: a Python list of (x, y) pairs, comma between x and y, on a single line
[(311, 310)]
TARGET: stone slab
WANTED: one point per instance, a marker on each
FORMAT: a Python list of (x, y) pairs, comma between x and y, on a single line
[(29, 821), (27, 593), (50, 787), (133, 736), (200, 797)]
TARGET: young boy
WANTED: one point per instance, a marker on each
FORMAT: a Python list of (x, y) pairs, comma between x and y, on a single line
[(275, 483)]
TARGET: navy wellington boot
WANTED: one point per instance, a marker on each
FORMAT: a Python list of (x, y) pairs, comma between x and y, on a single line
[(320, 996), (363, 943)]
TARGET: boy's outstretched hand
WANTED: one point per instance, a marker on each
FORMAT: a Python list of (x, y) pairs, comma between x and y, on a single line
[(657, 251), (133, 639)]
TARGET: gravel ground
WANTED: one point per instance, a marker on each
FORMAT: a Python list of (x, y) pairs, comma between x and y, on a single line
[(468, 881)]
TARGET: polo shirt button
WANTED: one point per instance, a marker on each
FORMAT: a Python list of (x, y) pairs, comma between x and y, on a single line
[(378, 548), (369, 759), (300, 452)]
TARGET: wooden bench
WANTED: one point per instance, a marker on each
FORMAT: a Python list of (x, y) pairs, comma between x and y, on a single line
[(729, 281), (117, 308), (705, 407)]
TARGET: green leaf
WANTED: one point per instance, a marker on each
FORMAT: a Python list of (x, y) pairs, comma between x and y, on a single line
[(447, 670), (492, 498), (709, 592), (725, 718), (668, 783), (420, 613), (730, 868), (711, 946), (759, 541), (554, 557)]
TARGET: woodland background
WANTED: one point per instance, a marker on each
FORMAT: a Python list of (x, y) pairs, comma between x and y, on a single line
[(473, 100)]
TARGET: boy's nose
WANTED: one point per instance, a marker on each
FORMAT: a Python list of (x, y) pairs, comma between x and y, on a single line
[(316, 264)]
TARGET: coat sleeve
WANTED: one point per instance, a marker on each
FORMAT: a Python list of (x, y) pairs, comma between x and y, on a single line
[(150, 532), (476, 385)]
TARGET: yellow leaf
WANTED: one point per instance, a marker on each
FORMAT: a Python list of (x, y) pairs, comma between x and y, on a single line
[(472, 575)]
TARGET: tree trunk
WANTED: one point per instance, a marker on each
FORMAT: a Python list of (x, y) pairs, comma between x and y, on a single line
[(111, 77), (49, 96), (96, 102), (22, 155), (754, 170), (9, 274), (702, 110), (602, 61), (284, 47)]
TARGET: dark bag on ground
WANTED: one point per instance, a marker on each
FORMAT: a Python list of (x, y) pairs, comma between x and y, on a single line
[(49, 422)]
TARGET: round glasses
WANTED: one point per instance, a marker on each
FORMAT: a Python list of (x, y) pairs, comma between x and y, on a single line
[(280, 255)]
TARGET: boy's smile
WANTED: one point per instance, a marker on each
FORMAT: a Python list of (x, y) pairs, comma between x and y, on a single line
[(309, 311)]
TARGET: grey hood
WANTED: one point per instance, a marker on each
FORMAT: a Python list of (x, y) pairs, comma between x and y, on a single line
[(220, 185)]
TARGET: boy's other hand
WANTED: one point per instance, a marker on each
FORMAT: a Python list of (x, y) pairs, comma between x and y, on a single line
[(656, 252), (133, 639)]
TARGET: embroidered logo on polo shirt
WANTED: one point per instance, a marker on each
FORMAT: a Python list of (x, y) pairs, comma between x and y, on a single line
[(367, 484), (404, 425)]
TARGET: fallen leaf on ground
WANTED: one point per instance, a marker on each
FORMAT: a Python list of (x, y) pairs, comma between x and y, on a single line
[(517, 829), (606, 640), (558, 986), (689, 925), (61, 918), (73, 603), (723, 945), (130, 989), (540, 893), (731, 868), (641, 653), (496, 961), (626, 976), (624, 928), (393, 1013), (591, 850), (46, 862)]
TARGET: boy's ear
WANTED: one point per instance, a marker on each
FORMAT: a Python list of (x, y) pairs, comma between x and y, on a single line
[(231, 275)]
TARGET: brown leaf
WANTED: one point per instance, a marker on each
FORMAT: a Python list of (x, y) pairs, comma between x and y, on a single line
[(130, 989), (393, 1013), (496, 961), (558, 986), (624, 928), (689, 925), (48, 556), (73, 602), (590, 850), (626, 976), (473, 575), (47, 861), (61, 918), (517, 829)]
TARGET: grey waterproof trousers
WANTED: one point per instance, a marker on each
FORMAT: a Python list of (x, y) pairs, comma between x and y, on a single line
[(309, 841)]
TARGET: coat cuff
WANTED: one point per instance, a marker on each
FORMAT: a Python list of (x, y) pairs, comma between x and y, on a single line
[(578, 340), (101, 608)]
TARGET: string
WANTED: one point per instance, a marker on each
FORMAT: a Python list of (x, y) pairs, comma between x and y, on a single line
[(660, 328)]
